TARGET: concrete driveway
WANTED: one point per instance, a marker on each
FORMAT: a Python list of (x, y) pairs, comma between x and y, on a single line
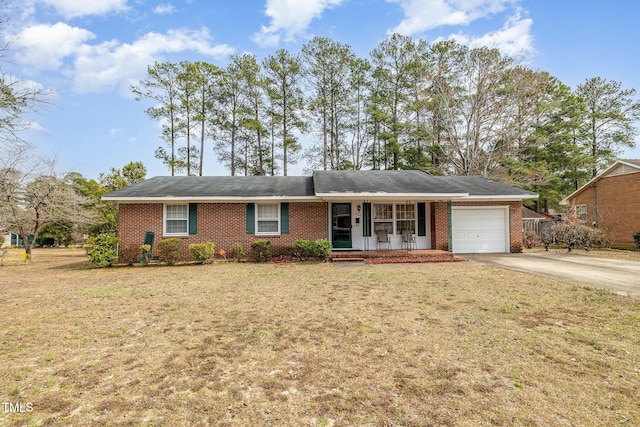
[(620, 276)]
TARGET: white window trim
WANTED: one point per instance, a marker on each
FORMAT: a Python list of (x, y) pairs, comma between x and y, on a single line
[(257, 218), (383, 221), (414, 219), (395, 219), (164, 220)]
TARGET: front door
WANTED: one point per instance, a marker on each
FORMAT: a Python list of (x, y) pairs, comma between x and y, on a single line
[(341, 225)]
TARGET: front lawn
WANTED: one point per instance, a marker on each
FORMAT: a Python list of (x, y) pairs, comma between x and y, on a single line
[(311, 344)]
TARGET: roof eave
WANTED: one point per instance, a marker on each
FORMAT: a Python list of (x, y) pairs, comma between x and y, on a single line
[(633, 165), (389, 196), (193, 199), (323, 197), (565, 201), (502, 198)]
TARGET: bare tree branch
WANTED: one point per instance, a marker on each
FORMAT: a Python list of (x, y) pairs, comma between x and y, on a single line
[(32, 195)]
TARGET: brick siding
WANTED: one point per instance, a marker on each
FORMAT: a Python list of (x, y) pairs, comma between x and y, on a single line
[(618, 203), (221, 223), (225, 224), (440, 226)]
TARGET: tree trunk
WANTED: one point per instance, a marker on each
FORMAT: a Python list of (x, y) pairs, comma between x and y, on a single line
[(233, 151), (27, 246), (324, 139), (594, 147), (284, 132), (173, 149), (201, 147)]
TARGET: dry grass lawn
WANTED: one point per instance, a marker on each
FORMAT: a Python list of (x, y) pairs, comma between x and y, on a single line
[(312, 344)]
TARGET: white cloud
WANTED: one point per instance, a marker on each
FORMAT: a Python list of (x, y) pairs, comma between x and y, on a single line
[(34, 126), (423, 15), (27, 9), (164, 9), (45, 46), (513, 39), (111, 64), (78, 8), (290, 18)]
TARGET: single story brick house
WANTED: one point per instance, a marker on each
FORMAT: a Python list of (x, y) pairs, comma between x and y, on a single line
[(610, 201), (355, 210)]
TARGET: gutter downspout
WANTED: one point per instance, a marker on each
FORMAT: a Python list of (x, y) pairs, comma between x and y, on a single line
[(595, 205)]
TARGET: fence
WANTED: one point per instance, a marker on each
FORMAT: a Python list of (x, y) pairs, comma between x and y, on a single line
[(541, 228)]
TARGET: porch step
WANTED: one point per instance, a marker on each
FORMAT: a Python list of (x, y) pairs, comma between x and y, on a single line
[(394, 256), (348, 259)]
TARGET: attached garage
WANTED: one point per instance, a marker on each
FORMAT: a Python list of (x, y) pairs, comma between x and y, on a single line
[(480, 229)]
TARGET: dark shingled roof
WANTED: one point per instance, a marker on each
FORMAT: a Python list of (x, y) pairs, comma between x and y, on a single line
[(218, 186), (389, 182), (483, 187), (323, 183), (533, 215)]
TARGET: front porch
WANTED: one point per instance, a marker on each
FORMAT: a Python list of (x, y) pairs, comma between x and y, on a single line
[(386, 223), (394, 256)]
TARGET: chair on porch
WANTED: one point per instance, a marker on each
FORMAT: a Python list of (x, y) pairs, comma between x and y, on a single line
[(408, 241), (383, 238)]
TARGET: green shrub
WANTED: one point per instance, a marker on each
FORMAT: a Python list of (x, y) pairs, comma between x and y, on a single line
[(237, 251), (202, 252), (170, 250), (636, 238), (103, 250), (261, 250), (303, 249), (322, 249)]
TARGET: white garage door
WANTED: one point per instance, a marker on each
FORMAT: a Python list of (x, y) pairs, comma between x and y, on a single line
[(478, 230)]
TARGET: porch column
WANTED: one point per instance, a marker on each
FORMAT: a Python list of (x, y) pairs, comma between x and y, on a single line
[(366, 223), (440, 225)]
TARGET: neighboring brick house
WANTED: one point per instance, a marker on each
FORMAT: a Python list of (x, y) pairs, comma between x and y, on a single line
[(611, 202), (352, 209), (11, 238)]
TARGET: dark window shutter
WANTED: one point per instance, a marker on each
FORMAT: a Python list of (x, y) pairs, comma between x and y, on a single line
[(284, 218), (251, 218), (366, 219), (422, 219), (193, 218)]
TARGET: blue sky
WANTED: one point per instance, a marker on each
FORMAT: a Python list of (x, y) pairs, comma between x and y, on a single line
[(89, 52)]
